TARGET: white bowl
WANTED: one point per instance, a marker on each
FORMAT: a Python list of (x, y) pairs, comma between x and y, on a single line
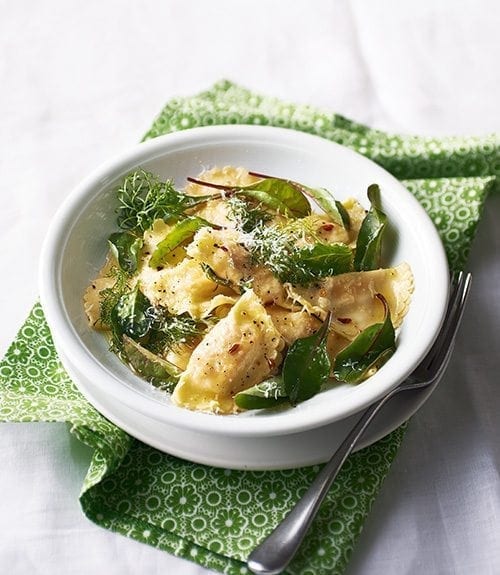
[(76, 245)]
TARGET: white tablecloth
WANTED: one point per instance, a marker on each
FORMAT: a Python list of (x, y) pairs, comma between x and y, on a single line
[(82, 80)]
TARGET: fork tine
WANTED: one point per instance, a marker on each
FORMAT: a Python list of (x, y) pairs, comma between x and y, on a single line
[(456, 282), (457, 285), (452, 321)]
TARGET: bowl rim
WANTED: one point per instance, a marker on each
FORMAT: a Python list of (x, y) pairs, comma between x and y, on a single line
[(66, 338)]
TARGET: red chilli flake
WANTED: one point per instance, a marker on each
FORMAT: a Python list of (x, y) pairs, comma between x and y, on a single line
[(344, 319), (234, 348), (327, 227)]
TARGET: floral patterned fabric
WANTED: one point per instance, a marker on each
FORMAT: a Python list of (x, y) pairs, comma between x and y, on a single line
[(216, 516)]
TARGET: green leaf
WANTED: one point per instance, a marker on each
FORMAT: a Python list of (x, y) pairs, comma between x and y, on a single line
[(280, 195), (344, 215), (211, 275), (323, 198), (151, 367), (369, 351), (369, 242), (132, 315), (126, 247), (268, 393), (319, 261), (329, 205), (182, 232), (307, 365)]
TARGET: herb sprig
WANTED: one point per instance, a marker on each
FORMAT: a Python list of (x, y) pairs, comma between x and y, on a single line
[(277, 247), (245, 216), (110, 296), (170, 331), (143, 198)]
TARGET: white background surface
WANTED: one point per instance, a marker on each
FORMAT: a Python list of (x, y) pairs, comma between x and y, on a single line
[(81, 80)]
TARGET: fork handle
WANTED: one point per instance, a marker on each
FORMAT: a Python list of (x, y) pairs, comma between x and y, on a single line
[(278, 549)]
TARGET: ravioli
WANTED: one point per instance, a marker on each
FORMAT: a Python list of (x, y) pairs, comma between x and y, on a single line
[(217, 211), (293, 325), (220, 250), (241, 350), (179, 355), (324, 230), (184, 288), (351, 298), (152, 238), (92, 301)]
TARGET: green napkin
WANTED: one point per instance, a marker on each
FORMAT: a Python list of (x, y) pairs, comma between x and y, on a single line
[(215, 516)]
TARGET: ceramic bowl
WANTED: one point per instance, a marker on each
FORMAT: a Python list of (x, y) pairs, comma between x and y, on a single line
[(76, 246)]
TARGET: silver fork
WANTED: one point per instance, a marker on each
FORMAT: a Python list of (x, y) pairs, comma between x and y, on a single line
[(278, 549)]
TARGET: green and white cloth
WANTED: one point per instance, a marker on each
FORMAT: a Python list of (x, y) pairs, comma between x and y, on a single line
[(215, 516)]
